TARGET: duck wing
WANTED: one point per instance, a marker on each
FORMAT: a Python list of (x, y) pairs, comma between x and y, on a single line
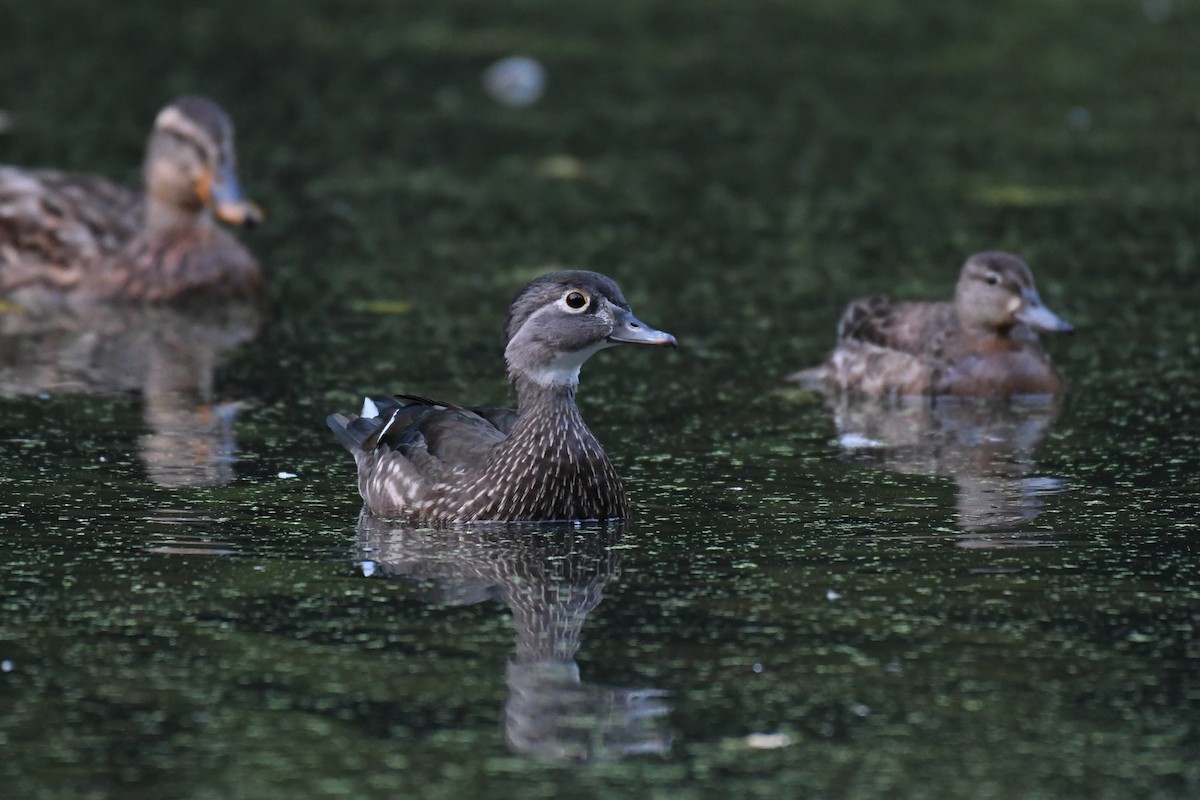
[(187, 260), (906, 327), (502, 418), (55, 225), (438, 439)]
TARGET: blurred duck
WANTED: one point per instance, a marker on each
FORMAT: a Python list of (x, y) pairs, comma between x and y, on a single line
[(436, 462), (982, 344), (74, 235)]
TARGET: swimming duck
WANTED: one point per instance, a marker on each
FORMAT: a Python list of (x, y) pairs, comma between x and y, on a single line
[(436, 462), (982, 344), (65, 234)]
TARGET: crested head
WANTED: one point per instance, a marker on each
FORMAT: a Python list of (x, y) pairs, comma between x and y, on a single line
[(191, 164), (551, 287), (996, 291), (561, 319)]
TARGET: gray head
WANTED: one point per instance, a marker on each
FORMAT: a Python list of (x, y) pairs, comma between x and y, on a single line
[(190, 162), (559, 320), (995, 291)]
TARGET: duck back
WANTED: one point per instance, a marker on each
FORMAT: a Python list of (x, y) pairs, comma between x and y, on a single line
[(55, 227)]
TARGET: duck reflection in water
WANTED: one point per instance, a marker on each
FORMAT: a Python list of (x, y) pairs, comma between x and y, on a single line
[(167, 354), (987, 448), (551, 576)]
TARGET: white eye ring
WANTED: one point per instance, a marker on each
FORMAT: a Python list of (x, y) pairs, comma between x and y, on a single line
[(992, 279), (575, 301)]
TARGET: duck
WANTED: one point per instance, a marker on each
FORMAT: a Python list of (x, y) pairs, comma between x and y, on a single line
[(982, 344), (433, 462), (66, 235)]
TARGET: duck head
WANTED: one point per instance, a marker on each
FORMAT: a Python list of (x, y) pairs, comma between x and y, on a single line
[(561, 319), (191, 165), (995, 292)]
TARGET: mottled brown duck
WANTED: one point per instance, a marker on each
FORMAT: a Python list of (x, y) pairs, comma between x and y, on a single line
[(66, 235), (984, 343)]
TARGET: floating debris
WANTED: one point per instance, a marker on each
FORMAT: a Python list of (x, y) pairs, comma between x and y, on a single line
[(561, 167), (767, 741), (515, 81), (383, 306)]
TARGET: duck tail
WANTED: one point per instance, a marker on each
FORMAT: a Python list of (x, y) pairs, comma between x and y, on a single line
[(352, 430), (813, 378)]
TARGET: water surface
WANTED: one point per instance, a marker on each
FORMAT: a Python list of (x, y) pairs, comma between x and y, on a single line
[(809, 601)]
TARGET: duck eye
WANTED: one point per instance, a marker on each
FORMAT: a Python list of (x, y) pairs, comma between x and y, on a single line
[(992, 279), (576, 300)]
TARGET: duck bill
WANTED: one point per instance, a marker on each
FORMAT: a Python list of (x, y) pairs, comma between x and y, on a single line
[(628, 329), (227, 201), (1040, 318)]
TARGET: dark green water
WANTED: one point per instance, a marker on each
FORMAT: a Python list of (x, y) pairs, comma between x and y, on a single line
[(1007, 610)]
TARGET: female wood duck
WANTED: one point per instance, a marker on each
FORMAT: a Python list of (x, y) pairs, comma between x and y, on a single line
[(437, 462), (983, 344), (63, 234)]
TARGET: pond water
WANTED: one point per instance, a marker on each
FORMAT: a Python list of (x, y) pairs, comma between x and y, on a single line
[(1002, 602)]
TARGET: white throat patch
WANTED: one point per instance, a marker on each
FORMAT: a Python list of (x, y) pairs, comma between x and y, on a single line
[(564, 371)]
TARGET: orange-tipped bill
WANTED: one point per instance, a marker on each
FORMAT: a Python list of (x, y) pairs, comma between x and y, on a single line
[(227, 201)]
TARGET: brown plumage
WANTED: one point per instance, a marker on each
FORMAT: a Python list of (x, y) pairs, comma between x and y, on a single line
[(63, 234), (436, 462), (982, 344)]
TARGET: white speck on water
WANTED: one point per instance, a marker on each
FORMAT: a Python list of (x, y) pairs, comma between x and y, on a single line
[(856, 441), (368, 568), (103, 459), (833, 594), (757, 667), (768, 741), (286, 475), (7, 665), (860, 709), (43, 396), (515, 81)]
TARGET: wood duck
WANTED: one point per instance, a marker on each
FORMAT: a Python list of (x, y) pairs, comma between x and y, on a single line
[(65, 235), (983, 344), (436, 462)]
